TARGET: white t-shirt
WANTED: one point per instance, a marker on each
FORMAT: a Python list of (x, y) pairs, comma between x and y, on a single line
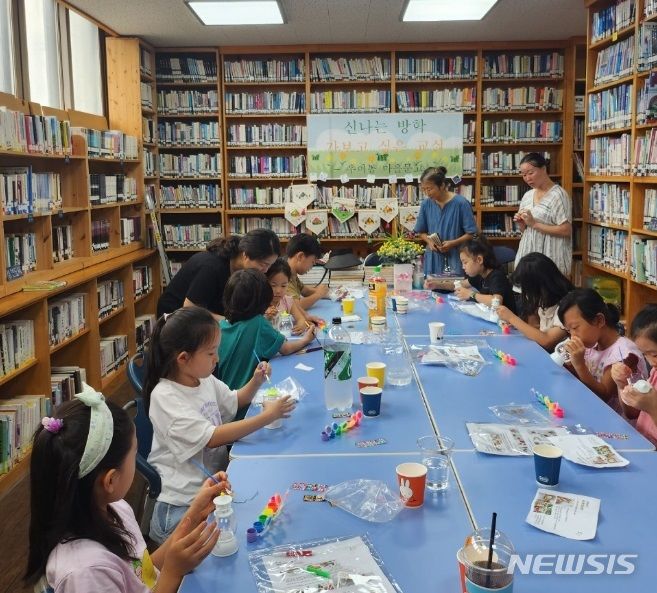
[(84, 565), (549, 318), (184, 419)]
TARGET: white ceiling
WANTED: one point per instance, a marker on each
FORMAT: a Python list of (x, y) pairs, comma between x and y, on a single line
[(171, 23)]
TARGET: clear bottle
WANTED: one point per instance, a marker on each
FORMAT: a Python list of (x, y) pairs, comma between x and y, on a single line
[(338, 390), (494, 306), (285, 324), (227, 543), (418, 274), (376, 302)]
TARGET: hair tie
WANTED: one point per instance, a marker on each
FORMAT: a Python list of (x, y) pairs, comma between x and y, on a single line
[(53, 425), (101, 429)]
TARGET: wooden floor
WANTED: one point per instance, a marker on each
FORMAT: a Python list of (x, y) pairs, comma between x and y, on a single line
[(14, 520)]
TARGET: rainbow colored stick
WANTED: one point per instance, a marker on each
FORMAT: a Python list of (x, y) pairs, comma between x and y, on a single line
[(335, 430), (553, 407), (503, 356)]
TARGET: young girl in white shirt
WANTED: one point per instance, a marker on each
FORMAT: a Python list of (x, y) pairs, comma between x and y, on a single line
[(191, 410), (83, 536)]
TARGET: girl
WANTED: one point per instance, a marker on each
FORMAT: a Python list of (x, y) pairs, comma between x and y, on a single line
[(279, 275), (542, 286), (449, 215), (191, 410), (480, 267), (644, 333), (594, 344), (83, 536)]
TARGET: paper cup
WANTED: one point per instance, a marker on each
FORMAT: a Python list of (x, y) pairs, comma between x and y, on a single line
[(412, 479), (378, 370), (348, 305), (436, 331), (401, 305), (547, 463), (367, 382), (370, 398), (266, 402)]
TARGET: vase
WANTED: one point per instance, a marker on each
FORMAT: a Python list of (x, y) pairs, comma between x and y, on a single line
[(402, 277)]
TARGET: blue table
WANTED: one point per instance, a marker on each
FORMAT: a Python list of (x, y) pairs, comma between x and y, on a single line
[(403, 414), (455, 398), (626, 523), (418, 547)]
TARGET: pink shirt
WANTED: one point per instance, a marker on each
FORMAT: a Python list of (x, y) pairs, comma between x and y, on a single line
[(83, 566), (645, 424), (285, 304)]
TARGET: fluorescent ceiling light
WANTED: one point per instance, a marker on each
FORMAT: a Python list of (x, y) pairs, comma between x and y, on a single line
[(447, 10), (238, 12)]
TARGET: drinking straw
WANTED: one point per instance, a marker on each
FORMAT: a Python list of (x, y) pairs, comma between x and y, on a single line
[(260, 362), (490, 548)]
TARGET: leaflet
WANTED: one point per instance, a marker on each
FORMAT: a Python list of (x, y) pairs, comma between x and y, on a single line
[(505, 439), (589, 450), (569, 515)]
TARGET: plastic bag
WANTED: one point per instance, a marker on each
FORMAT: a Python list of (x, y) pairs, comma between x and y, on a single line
[(507, 439), (371, 500), (522, 414), (478, 310), (462, 355), (289, 386), (343, 290)]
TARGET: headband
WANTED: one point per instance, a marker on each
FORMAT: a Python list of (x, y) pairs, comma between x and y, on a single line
[(101, 430)]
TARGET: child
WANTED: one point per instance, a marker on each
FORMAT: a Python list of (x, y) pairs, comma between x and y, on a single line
[(279, 275), (644, 333), (191, 410), (83, 536), (303, 251), (542, 286), (480, 267), (594, 344)]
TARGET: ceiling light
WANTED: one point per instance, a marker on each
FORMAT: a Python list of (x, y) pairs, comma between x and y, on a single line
[(446, 10), (238, 12)]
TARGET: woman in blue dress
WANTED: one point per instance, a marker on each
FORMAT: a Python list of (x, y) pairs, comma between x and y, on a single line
[(449, 215)]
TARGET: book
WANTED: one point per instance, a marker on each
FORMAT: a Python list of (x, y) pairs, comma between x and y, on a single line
[(44, 285)]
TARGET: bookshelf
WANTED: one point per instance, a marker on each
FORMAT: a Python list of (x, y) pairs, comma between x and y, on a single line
[(618, 233)]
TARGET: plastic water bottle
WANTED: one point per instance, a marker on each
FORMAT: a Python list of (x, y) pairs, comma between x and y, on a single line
[(338, 392), (285, 324)]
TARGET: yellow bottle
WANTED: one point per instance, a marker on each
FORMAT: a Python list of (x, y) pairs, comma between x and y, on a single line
[(376, 301)]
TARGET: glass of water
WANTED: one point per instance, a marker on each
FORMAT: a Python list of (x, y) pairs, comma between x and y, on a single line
[(436, 452)]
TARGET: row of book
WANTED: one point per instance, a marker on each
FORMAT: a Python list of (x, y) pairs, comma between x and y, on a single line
[(109, 144), (265, 70), (646, 111), (202, 195), (17, 344), (540, 65), (611, 19), (148, 130), (521, 131), (66, 317), (649, 8), (145, 61), (149, 159), (614, 61), (610, 109), (22, 191), (259, 197), (469, 163), (113, 352), (647, 47), (180, 133), (146, 95), (610, 155), (185, 102), (369, 68), (142, 280), (609, 203), (190, 165), (36, 134), (190, 235), (645, 153), (110, 296), (469, 131), (502, 195), (577, 272), (266, 134), (608, 247), (650, 209), (350, 101), (504, 163), (437, 67), (265, 102), (144, 327), (448, 99), (130, 229), (266, 166), (62, 242), (201, 68), (522, 98), (644, 260), (499, 225), (65, 382), (109, 189), (240, 225), (20, 254), (578, 134), (100, 234)]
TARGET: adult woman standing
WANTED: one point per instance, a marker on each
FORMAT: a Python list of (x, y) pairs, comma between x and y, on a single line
[(544, 216), (449, 215), (202, 279)]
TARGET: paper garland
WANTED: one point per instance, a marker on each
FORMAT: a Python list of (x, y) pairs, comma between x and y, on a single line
[(316, 220), (387, 208), (303, 194), (343, 208), (295, 213), (408, 216), (369, 220)]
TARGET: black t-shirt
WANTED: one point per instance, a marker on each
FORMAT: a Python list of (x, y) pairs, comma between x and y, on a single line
[(496, 283), (202, 280)]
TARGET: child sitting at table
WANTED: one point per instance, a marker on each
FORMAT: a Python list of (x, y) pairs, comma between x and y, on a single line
[(644, 334), (595, 344), (543, 286), (279, 275), (482, 273), (302, 252)]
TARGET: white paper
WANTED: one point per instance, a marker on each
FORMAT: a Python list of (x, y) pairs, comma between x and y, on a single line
[(589, 450), (371, 179), (505, 439), (445, 354), (323, 176), (349, 562), (392, 178), (569, 515), (303, 367), (408, 178), (344, 178)]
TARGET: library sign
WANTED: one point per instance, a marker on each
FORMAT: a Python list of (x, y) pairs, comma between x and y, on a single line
[(353, 146)]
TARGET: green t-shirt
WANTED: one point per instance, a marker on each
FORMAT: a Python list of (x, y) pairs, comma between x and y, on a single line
[(239, 341)]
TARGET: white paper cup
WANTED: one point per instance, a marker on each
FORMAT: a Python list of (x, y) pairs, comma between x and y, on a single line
[(436, 331), (402, 305), (268, 401)]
